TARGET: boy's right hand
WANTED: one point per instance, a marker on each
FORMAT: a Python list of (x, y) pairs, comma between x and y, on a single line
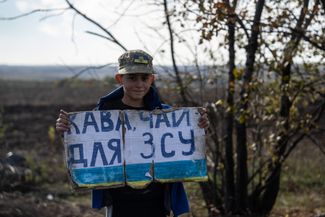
[(62, 123)]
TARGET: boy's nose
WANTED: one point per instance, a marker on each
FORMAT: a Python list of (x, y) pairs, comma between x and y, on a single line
[(138, 82)]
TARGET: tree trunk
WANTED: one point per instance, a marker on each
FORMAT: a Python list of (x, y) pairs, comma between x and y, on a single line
[(272, 186), (229, 161), (241, 172), (172, 50)]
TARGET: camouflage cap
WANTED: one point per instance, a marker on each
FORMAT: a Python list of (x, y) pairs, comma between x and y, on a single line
[(135, 61)]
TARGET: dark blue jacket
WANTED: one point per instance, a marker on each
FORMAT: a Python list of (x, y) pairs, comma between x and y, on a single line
[(178, 199)]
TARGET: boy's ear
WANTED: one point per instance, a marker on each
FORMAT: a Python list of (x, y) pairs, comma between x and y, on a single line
[(152, 77), (118, 78)]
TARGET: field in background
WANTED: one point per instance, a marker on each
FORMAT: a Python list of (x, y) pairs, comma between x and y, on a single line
[(28, 111)]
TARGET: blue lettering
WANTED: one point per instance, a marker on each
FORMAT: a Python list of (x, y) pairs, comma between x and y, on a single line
[(162, 118), (148, 118), (149, 141), (163, 148), (187, 141), (126, 122), (71, 154), (106, 122), (116, 149), (98, 148), (71, 119), (178, 122), (91, 122)]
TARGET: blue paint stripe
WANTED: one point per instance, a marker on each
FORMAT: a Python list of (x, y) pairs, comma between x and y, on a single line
[(98, 175), (138, 172), (178, 170), (181, 169)]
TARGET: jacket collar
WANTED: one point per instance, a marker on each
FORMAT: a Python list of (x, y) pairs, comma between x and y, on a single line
[(151, 99)]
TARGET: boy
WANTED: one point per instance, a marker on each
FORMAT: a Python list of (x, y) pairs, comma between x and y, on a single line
[(136, 75)]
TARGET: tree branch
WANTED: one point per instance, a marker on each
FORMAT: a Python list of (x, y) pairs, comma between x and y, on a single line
[(33, 12), (242, 26), (76, 75), (315, 44), (315, 142), (113, 39), (99, 35)]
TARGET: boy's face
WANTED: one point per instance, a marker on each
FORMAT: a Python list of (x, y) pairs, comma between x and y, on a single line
[(136, 86)]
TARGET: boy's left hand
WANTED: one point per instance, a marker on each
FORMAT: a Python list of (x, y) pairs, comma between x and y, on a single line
[(203, 120)]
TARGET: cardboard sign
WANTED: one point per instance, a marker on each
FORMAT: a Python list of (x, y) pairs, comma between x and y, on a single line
[(131, 147)]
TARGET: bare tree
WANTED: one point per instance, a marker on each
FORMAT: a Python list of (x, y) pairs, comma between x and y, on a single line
[(250, 186)]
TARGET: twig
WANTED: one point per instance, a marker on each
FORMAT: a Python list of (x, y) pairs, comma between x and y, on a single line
[(122, 14), (315, 142), (99, 35), (89, 68), (32, 12), (52, 15)]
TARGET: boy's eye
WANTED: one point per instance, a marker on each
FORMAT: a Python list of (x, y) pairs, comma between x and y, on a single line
[(136, 77), (133, 78), (144, 77)]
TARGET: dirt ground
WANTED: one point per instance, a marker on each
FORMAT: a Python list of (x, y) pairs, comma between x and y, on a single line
[(17, 204), (39, 187)]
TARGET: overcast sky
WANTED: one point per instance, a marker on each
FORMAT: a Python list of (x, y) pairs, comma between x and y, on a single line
[(33, 41)]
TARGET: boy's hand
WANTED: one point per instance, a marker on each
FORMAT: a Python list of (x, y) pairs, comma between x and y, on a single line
[(203, 120), (62, 123)]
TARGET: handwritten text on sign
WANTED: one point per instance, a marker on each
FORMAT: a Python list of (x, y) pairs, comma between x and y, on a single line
[(111, 148)]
